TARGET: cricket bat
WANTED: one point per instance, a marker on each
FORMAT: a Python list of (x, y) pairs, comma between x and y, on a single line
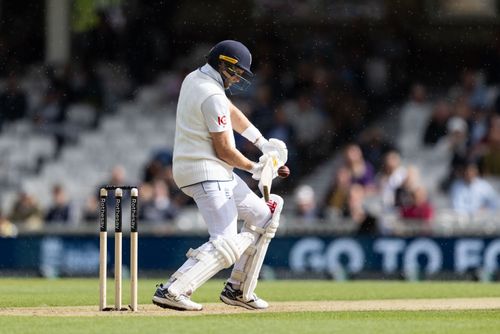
[(266, 178)]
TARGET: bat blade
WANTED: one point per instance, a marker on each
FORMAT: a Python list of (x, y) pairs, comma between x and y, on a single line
[(266, 179)]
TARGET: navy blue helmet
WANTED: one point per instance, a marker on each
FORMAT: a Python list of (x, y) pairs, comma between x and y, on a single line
[(232, 54)]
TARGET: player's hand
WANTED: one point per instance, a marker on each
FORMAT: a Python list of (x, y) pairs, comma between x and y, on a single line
[(258, 166), (279, 147), (256, 170)]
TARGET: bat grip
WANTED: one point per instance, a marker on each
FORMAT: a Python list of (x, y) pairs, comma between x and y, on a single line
[(266, 193)]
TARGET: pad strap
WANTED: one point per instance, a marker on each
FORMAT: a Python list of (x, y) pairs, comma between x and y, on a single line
[(256, 229), (251, 250), (239, 275)]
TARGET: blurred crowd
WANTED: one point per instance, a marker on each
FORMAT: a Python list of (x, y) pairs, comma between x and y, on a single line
[(159, 202), (457, 131), (376, 175), (43, 96)]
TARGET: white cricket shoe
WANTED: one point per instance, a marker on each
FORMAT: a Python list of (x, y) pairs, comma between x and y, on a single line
[(164, 299), (234, 297)]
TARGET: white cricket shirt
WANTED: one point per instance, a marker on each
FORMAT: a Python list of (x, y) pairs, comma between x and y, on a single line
[(202, 108)]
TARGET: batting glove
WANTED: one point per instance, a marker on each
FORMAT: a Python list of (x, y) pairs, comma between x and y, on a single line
[(256, 170), (279, 147)]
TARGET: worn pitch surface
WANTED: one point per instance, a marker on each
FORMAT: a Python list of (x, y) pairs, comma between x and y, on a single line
[(275, 307)]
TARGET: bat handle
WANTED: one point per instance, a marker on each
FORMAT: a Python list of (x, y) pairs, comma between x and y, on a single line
[(266, 193)]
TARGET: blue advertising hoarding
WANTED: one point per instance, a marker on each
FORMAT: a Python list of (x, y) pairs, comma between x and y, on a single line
[(73, 256)]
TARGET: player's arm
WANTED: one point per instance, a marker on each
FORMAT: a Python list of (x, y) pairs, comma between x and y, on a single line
[(216, 111), (225, 150), (243, 126)]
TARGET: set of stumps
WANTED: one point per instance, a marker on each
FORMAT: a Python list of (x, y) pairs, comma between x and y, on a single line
[(103, 246)]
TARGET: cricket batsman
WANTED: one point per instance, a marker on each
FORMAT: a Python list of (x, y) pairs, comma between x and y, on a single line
[(203, 161)]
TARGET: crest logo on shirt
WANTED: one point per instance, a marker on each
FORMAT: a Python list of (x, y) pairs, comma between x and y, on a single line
[(222, 120)]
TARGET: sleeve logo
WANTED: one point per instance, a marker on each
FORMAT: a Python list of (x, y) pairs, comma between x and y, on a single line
[(222, 120)]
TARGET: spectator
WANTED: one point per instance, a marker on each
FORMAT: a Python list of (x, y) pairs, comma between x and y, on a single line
[(404, 194), (355, 208), (337, 198), (305, 200), (61, 211), (158, 207), (453, 147), (159, 168), (478, 125), (164, 156), (471, 194), (471, 88), (418, 206), (304, 118), (367, 224), (414, 117), (153, 170), (437, 126), (375, 146), (456, 136), (390, 178), (362, 172), (346, 199), (490, 157), (26, 211), (7, 228), (90, 210), (118, 178)]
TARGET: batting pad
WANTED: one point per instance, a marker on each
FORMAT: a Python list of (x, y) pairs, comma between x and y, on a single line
[(256, 253), (211, 257)]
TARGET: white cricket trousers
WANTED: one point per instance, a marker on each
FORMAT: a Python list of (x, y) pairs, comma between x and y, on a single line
[(221, 204)]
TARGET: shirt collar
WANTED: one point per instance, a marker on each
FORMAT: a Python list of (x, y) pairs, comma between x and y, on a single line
[(212, 73)]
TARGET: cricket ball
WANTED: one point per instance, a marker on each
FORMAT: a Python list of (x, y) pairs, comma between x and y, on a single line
[(283, 172)]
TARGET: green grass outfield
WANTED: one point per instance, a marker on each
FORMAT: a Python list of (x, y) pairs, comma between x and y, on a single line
[(42, 293)]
